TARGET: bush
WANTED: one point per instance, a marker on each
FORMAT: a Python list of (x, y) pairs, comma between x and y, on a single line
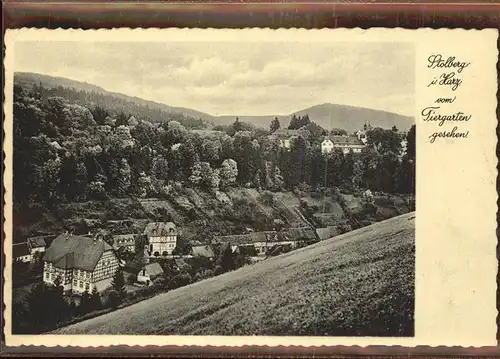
[(218, 270), (208, 273), (164, 253), (113, 300), (156, 254)]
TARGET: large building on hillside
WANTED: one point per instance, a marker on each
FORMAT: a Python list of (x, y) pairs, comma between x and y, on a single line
[(343, 143), (81, 262), (162, 238)]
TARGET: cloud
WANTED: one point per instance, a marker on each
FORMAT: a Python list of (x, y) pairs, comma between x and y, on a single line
[(237, 78)]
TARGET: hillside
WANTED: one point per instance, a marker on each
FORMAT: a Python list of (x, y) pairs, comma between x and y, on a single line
[(330, 116), (326, 115), (360, 283), (29, 79)]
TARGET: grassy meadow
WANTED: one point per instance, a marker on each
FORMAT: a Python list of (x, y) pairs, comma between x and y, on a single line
[(358, 284)]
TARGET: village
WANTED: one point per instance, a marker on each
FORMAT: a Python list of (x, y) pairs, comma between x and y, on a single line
[(89, 262)]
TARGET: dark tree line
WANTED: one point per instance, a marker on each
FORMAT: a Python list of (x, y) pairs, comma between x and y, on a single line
[(64, 151)]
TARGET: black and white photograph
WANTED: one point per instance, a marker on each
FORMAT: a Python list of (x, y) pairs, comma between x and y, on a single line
[(209, 188)]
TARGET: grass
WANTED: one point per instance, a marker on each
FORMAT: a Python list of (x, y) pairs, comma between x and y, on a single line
[(359, 283)]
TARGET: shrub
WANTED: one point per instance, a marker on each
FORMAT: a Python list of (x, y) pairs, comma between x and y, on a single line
[(218, 270), (113, 300), (164, 253), (156, 254)]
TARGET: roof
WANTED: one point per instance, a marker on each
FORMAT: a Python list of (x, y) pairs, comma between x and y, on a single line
[(292, 234), (160, 228), (37, 242), (124, 239), (304, 233), (79, 252), (284, 132), (20, 249), (278, 249), (153, 269), (203, 251), (345, 140)]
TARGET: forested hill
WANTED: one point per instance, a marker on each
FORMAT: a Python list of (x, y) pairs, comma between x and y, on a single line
[(330, 116), (327, 115), (90, 96)]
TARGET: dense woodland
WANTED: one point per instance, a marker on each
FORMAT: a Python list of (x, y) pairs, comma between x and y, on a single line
[(65, 152)]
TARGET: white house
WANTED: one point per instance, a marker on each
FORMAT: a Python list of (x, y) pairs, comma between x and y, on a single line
[(326, 146), (162, 238), (80, 262), (37, 244), (149, 272)]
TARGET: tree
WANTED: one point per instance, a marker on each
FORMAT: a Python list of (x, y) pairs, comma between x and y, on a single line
[(275, 125), (46, 306), (114, 299), (357, 173), (124, 178), (210, 150), (81, 180), (97, 188), (196, 174), (144, 185), (175, 133), (160, 167), (228, 173), (95, 299), (118, 284), (298, 122), (85, 303), (410, 149), (227, 260), (132, 121)]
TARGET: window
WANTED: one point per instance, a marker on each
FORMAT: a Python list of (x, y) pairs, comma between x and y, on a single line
[(47, 276), (80, 284), (87, 286), (75, 282)]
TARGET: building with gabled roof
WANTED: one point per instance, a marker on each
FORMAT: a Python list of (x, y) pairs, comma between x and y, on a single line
[(204, 251), (343, 143), (263, 241), (162, 238), (149, 272), (126, 241), (80, 262), (285, 136)]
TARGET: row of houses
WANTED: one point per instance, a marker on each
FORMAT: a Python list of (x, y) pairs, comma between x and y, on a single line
[(26, 251), (262, 243), (85, 262)]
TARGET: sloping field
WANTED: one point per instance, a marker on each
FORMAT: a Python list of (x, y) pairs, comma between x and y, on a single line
[(358, 283)]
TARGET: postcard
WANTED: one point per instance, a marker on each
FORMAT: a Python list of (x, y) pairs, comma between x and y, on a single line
[(250, 187)]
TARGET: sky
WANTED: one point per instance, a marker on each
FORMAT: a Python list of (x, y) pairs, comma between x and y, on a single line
[(236, 78)]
